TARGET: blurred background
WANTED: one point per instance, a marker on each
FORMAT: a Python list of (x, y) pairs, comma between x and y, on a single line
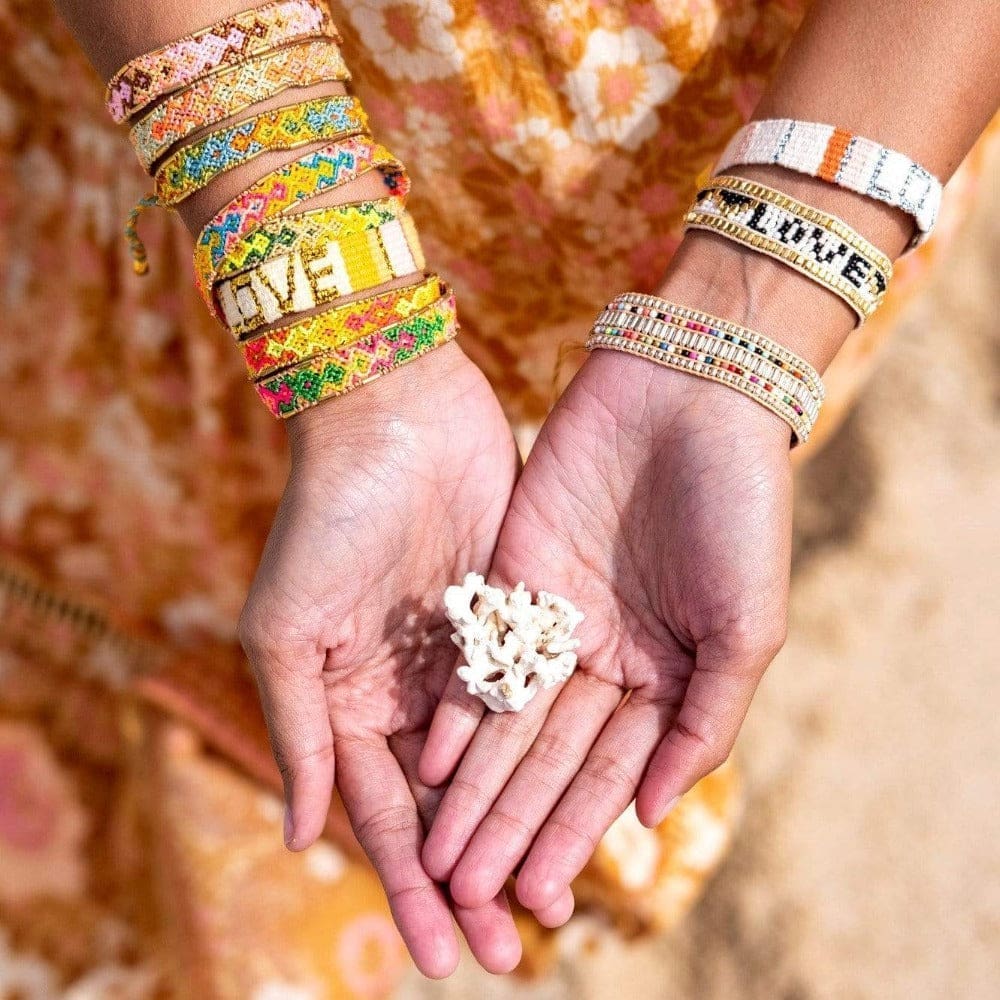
[(851, 850)]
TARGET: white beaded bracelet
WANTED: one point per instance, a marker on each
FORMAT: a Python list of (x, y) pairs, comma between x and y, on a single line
[(839, 157)]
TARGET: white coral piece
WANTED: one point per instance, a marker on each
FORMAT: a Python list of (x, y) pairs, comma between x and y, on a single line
[(513, 645)]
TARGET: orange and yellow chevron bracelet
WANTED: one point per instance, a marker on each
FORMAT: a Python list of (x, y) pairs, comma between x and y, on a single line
[(155, 74), (215, 98)]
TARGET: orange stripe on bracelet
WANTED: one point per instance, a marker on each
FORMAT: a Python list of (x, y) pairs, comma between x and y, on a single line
[(835, 149)]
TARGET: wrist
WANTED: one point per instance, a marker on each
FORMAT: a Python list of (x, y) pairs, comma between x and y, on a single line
[(387, 407), (724, 279), (671, 405)]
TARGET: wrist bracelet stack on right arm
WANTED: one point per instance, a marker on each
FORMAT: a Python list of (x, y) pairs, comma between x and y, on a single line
[(259, 262), (814, 243)]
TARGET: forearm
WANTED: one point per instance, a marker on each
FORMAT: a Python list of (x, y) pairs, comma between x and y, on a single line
[(919, 77)]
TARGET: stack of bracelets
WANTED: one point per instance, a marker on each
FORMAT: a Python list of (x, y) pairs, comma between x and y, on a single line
[(819, 246), (264, 260)]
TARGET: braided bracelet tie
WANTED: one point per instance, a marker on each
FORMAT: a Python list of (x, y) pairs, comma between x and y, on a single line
[(341, 371), (320, 272), (215, 98), (338, 327), (194, 166), (839, 157), (818, 245), (282, 189), (160, 72), (712, 348)]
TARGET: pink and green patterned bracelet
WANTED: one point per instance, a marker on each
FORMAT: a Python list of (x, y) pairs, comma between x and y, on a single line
[(338, 372)]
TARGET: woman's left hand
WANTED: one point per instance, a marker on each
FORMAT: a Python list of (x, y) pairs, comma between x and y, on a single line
[(660, 504)]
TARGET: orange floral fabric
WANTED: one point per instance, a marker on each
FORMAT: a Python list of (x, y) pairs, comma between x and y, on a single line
[(553, 147)]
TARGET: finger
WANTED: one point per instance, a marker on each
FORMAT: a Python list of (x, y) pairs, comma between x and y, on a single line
[(384, 816), (702, 736), (501, 741), (506, 832), (492, 934), (293, 698), (559, 912), (597, 797), (489, 929), (454, 724)]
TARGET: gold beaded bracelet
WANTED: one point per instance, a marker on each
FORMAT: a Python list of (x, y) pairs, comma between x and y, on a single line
[(700, 344), (818, 245)]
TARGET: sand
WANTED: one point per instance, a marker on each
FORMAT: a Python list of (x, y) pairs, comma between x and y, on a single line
[(868, 864)]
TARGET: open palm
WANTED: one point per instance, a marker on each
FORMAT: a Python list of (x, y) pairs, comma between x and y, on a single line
[(395, 492), (660, 505)]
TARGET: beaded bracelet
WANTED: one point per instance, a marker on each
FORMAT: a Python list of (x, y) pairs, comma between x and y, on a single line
[(338, 327), (286, 233), (320, 272), (712, 348), (839, 157), (338, 372), (284, 188), (215, 98), (160, 72), (818, 245), (246, 295), (193, 167)]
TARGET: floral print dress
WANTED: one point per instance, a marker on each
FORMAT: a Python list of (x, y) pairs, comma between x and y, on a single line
[(553, 147)]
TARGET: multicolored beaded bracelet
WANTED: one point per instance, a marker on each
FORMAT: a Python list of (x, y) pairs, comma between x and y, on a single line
[(285, 233), (338, 327), (213, 99), (160, 72), (818, 245), (338, 372), (286, 187), (712, 346), (842, 158), (715, 349), (192, 167), (633, 309), (315, 274)]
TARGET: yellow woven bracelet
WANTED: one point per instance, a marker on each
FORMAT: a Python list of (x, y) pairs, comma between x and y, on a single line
[(319, 271), (338, 327)]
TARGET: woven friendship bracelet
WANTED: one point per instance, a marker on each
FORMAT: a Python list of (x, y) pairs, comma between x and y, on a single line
[(320, 272), (306, 265), (286, 233), (711, 348), (160, 72), (218, 97), (818, 245), (338, 327), (287, 186), (194, 166), (341, 371), (839, 157)]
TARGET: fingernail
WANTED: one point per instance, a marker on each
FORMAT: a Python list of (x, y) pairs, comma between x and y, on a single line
[(289, 828), (668, 809)]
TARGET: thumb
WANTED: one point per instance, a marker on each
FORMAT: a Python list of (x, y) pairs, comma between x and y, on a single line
[(728, 668), (289, 676)]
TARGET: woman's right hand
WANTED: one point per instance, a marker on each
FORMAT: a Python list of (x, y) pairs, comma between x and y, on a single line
[(395, 491)]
